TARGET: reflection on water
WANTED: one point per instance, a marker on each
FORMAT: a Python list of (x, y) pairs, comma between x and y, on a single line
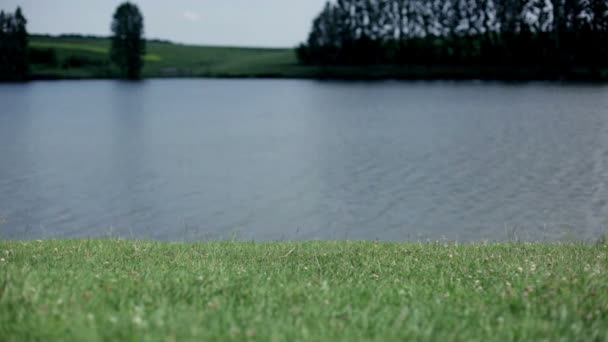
[(270, 159)]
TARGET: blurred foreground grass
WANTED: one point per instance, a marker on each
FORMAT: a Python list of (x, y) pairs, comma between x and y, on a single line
[(129, 290)]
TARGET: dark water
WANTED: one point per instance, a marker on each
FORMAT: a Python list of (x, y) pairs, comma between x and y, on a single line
[(272, 160)]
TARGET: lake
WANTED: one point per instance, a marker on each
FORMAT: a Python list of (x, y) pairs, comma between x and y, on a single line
[(298, 160)]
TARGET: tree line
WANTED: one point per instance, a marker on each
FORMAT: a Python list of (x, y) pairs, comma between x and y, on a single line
[(460, 32), (126, 50)]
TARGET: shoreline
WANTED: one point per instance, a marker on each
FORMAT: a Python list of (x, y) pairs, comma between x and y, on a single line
[(38, 78), (415, 73), (87, 58)]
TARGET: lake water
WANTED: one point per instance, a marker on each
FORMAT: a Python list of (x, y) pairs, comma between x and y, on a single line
[(299, 160)]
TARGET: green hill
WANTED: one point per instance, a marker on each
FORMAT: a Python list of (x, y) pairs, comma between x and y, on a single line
[(87, 57)]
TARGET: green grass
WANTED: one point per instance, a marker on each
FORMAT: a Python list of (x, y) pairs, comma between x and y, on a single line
[(314, 291), (76, 47), (164, 59)]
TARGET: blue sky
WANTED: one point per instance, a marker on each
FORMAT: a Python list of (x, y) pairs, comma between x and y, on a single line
[(273, 23)]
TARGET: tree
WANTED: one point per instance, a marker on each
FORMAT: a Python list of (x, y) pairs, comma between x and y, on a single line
[(128, 45), (13, 46), (21, 63), (4, 40)]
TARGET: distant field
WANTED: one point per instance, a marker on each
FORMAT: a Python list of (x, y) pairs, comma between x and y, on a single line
[(88, 58), (165, 59)]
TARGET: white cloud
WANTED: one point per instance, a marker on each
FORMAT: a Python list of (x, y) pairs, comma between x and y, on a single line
[(191, 16)]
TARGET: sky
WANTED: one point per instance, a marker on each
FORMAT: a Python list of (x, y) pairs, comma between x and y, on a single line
[(264, 23)]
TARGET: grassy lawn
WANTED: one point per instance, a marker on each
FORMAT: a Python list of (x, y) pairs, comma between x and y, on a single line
[(315, 291)]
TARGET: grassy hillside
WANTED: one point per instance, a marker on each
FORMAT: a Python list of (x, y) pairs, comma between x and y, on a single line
[(164, 59), (78, 57), (312, 291)]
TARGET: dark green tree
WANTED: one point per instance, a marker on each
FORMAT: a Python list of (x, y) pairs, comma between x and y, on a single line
[(128, 44), (13, 46), (21, 42), (4, 40)]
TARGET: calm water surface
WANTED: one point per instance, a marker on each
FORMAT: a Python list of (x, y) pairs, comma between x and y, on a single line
[(292, 159)]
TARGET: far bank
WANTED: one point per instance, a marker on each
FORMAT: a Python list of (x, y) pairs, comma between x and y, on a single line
[(76, 57)]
